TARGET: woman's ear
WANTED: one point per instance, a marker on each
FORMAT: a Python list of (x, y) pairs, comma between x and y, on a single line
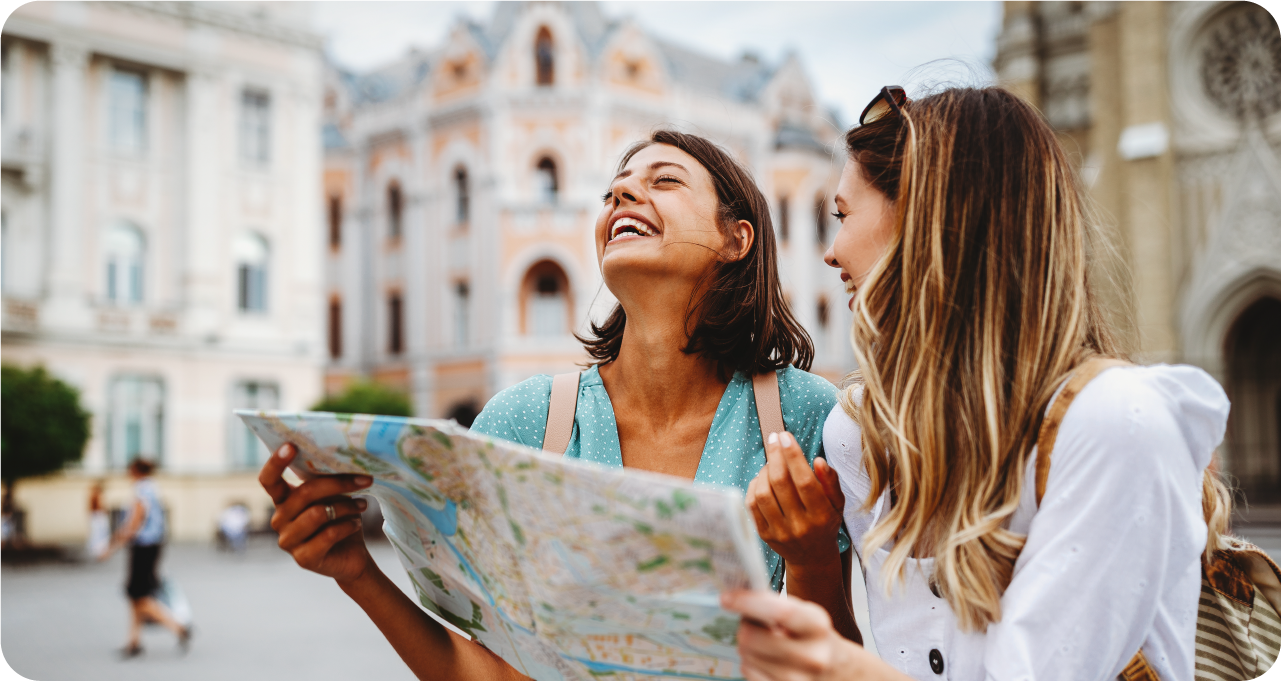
[(740, 242)]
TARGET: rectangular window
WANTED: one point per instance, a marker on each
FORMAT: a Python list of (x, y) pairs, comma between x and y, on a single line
[(395, 325), (335, 328), (127, 115), (462, 314), (783, 218), (335, 221), (135, 420), (255, 127), (247, 452), (252, 287)]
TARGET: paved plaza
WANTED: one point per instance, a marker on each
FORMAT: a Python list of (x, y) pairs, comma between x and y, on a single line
[(258, 617)]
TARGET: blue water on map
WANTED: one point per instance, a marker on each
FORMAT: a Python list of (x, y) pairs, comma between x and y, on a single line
[(382, 437)]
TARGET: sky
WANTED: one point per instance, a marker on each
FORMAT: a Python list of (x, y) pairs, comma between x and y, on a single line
[(849, 49)]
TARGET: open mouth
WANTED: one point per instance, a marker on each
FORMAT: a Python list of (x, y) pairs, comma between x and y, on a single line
[(630, 227)]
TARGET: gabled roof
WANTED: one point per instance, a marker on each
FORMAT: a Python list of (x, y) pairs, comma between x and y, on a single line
[(740, 80)]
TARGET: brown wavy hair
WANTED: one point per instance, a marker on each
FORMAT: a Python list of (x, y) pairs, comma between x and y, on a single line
[(739, 319)]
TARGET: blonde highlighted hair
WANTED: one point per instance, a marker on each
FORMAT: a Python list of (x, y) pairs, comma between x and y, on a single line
[(965, 328)]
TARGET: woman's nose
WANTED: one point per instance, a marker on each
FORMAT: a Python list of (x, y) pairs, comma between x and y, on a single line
[(619, 196), (829, 257)]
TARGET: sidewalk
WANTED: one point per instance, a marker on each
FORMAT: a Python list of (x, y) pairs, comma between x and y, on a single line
[(257, 617)]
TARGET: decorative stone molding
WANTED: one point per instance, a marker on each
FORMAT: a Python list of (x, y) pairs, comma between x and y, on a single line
[(69, 55), (1241, 62), (246, 25)]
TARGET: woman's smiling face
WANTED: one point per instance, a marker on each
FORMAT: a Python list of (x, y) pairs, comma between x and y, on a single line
[(867, 225), (659, 219)]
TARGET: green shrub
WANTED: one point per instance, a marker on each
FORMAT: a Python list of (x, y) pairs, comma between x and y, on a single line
[(367, 397)]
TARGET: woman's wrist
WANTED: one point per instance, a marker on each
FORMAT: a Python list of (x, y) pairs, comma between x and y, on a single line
[(816, 563), (368, 581)]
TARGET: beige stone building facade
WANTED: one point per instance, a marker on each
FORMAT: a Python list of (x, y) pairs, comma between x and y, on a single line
[(162, 236), (462, 186), (1171, 110)]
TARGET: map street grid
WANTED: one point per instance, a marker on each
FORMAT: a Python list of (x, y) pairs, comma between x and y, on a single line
[(566, 569)]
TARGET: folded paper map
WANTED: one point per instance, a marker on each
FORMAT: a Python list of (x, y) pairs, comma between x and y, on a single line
[(568, 570)]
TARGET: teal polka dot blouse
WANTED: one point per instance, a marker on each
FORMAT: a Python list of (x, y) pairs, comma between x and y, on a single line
[(734, 452)]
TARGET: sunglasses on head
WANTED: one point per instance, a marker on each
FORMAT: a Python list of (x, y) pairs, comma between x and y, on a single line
[(889, 100)]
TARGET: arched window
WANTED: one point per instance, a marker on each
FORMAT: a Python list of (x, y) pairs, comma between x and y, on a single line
[(545, 295), (1254, 384), (395, 209), (820, 220), (395, 324), (546, 182), (335, 221), (252, 257), (335, 327), (125, 253), (462, 196), (462, 314), (545, 57)]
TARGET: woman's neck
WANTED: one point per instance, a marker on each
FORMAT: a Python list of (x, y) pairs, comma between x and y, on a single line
[(652, 378)]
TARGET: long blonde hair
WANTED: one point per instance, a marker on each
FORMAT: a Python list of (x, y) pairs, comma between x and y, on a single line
[(965, 328)]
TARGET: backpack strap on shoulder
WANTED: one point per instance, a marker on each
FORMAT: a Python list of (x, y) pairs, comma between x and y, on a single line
[(1082, 375), (769, 413), (560, 413), (769, 407)]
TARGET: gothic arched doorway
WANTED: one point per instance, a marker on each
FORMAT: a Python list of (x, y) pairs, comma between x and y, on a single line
[(1253, 354)]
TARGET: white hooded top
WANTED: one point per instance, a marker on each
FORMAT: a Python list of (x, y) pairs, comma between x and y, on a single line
[(1112, 559)]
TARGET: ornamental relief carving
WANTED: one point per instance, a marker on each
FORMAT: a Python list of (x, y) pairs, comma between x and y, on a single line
[(1241, 63)]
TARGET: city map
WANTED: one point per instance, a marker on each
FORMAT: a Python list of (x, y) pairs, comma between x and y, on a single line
[(566, 569)]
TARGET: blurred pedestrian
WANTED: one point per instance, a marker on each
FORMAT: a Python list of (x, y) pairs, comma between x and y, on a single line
[(233, 524), (99, 523), (144, 531)]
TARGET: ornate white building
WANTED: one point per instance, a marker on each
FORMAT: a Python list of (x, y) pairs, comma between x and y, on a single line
[(1173, 110), (462, 186), (163, 237)]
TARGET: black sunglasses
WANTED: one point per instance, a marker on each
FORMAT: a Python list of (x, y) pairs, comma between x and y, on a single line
[(891, 98)]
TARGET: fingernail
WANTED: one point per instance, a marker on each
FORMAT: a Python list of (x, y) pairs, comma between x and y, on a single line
[(362, 504), (363, 480), (790, 440), (773, 438), (285, 451)]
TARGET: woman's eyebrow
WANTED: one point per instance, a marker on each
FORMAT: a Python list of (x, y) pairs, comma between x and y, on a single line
[(653, 166)]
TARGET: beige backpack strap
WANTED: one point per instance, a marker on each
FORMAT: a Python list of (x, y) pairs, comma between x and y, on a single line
[(560, 413), (769, 408), (1058, 409)]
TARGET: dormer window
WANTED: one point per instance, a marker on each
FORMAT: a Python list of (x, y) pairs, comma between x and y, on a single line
[(545, 57)]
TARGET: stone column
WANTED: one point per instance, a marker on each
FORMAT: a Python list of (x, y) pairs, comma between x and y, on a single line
[(68, 261), (1147, 212), (205, 233)]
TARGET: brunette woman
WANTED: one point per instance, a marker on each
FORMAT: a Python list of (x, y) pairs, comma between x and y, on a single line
[(684, 241), (963, 244)]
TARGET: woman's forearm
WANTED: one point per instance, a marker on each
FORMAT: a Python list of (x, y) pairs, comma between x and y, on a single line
[(429, 649), (825, 583)]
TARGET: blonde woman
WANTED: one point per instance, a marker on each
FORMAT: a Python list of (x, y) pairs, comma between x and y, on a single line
[(963, 246)]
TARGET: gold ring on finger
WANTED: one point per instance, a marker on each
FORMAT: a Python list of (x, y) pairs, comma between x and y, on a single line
[(329, 512)]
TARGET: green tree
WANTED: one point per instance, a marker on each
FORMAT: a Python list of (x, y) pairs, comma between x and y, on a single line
[(367, 397), (42, 425)]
